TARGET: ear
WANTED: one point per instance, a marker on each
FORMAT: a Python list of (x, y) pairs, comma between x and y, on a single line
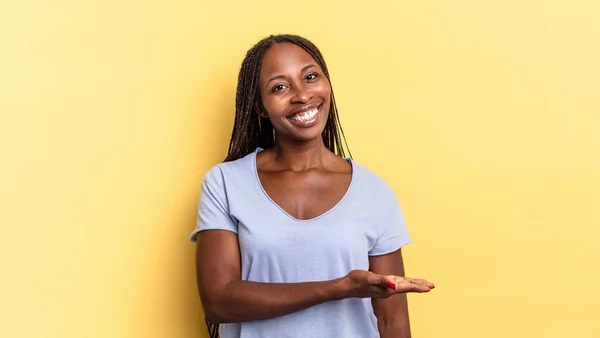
[(260, 110)]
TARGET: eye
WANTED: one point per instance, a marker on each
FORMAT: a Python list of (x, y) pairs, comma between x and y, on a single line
[(311, 76), (278, 88)]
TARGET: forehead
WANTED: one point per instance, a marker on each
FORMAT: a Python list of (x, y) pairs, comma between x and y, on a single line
[(284, 58)]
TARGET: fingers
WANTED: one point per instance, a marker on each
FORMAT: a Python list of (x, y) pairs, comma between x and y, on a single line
[(423, 282), (405, 284), (400, 284)]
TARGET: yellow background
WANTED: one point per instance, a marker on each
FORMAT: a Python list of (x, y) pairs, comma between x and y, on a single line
[(482, 115)]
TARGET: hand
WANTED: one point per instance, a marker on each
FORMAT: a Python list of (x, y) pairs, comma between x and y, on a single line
[(365, 284)]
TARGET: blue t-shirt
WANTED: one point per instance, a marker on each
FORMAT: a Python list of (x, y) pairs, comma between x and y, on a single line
[(277, 248)]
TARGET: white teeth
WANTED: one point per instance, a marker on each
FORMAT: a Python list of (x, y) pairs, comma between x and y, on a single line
[(305, 116)]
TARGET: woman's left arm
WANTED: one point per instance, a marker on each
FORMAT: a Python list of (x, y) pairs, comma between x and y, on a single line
[(391, 312)]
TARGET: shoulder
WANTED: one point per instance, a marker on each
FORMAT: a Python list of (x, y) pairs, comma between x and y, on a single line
[(371, 185), (369, 178), (220, 173)]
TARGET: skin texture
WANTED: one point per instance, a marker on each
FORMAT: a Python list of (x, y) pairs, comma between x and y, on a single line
[(295, 173)]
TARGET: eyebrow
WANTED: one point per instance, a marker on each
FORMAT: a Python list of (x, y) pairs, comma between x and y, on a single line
[(283, 76)]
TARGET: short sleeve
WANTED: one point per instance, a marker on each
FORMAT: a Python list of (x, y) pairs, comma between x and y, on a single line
[(393, 233), (213, 210)]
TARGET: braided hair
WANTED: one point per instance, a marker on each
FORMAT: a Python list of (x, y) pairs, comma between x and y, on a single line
[(250, 130)]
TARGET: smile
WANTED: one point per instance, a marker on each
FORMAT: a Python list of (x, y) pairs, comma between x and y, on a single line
[(307, 115)]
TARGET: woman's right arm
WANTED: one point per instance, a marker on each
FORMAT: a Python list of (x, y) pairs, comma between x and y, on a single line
[(226, 298)]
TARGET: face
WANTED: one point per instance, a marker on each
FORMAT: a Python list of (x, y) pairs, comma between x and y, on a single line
[(295, 93)]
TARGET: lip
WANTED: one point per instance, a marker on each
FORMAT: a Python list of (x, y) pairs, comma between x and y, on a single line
[(307, 123), (304, 108)]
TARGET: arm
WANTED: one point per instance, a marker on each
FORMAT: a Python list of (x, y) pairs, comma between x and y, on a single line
[(227, 298), (392, 312)]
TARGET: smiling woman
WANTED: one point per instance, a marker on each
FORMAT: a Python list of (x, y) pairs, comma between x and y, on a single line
[(293, 238), (293, 99), (252, 129)]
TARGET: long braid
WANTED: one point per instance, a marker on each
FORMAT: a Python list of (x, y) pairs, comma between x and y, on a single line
[(251, 131)]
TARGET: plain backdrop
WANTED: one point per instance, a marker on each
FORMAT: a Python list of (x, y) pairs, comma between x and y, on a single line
[(483, 116)]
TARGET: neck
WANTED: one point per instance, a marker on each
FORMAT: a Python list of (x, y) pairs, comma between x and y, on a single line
[(298, 157)]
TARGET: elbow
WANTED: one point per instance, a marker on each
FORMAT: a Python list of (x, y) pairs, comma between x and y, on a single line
[(216, 312), (220, 306), (212, 317)]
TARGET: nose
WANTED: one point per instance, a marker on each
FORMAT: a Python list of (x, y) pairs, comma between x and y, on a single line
[(301, 94)]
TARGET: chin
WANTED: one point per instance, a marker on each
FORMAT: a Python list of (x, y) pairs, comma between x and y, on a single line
[(310, 135)]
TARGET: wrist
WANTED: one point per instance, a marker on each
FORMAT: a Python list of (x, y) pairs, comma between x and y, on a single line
[(342, 288)]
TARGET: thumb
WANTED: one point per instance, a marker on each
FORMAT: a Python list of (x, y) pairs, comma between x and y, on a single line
[(375, 279), (388, 282)]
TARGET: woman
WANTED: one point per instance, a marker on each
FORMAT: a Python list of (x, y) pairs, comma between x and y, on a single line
[(294, 239)]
